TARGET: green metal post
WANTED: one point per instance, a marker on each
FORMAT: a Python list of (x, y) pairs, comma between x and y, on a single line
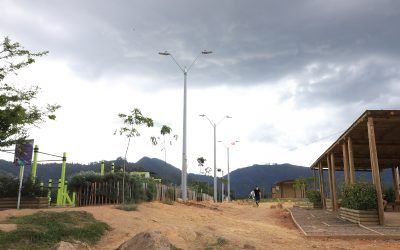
[(112, 167), (65, 193), (34, 164), (49, 190), (61, 189), (59, 193), (102, 168), (73, 198)]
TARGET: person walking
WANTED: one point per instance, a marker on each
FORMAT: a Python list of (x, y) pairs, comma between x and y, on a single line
[(257, 195)]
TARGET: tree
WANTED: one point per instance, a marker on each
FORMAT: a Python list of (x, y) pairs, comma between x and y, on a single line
[(165, 133), (300, 183), (131, 123), (201, 160), (18, 112)]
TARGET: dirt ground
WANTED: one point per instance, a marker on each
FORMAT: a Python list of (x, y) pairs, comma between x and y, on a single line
[(209, 226)]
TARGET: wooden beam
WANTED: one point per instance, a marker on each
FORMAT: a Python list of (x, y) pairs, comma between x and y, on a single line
[(375, 169), (321, 184), (335, 204), (345, 163), (315, 179), (352, 177), (395, 174), (330, 179)]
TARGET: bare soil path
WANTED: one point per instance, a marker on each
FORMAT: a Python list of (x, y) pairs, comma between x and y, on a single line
[(209, 226)]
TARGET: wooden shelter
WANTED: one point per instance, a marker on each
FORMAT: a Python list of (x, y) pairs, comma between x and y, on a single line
[(371, 143), (286, 189)]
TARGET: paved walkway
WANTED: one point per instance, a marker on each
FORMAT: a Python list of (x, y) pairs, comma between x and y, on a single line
[(323, 223)]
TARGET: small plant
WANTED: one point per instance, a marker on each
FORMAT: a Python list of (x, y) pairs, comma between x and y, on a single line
[(168, 202), (127, 207), (221, 241), (313, 196), (359, 196), (390, 195)]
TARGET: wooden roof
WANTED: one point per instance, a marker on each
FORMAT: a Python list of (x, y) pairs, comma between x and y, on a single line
[(387, 135), (282, 182)]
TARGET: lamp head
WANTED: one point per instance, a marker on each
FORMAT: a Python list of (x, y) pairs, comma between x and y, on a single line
[(202, 115), (228, 116), (219, 170), (165, 53), (206, 52)]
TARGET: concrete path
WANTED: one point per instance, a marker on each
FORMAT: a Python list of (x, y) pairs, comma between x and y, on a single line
[(323, 223)]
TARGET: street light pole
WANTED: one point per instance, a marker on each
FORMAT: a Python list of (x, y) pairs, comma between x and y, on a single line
[(215, 164), (222, 184), (229, 175), (214, 125), (184, 145), (184, 154)]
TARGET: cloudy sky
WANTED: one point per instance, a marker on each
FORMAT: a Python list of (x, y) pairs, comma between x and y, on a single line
[(292, 74)]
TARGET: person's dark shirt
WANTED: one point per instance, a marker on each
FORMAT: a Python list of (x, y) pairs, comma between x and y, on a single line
[(257, 193)]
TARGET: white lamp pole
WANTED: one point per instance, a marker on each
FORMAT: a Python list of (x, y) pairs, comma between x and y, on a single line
[(229, 177), (214, 125), (184, 154), (222, 184)]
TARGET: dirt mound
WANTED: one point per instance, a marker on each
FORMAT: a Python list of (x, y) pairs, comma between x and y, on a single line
[(200, 204), (151, 240)]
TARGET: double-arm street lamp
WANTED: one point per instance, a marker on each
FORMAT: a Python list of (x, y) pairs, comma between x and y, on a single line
[(214, 125), (227, 154), (184, 70)]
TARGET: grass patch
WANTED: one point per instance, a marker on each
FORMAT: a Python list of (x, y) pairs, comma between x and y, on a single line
[(42, 230), (127, 207)]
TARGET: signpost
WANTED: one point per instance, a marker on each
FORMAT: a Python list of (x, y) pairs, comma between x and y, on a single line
[(22, 157)]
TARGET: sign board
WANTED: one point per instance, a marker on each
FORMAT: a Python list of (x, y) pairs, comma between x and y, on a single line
[(23, 153)]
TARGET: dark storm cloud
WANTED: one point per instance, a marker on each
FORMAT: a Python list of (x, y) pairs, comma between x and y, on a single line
[(255, 42)]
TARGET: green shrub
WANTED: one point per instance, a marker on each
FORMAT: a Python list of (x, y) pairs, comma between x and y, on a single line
[(170, 194), (390, 195), (359, 196), (151, 190), (82, 179), (313, 196), (9, 187)]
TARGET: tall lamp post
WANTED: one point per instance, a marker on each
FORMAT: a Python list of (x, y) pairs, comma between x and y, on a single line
[(222, 184), (214, 125), (184, 70), (227, 154)]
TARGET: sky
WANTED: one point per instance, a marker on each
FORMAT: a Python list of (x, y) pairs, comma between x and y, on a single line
[(292, 75)]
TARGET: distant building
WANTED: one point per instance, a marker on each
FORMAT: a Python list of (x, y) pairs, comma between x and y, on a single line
[(285, 189), (141, 174)]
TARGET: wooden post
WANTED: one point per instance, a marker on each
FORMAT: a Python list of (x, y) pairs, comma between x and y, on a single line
[(345, 163), (396, 182), (352, 177), (375, 168), (335, 204), (330, 180), (315, 180), (321, 185)]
